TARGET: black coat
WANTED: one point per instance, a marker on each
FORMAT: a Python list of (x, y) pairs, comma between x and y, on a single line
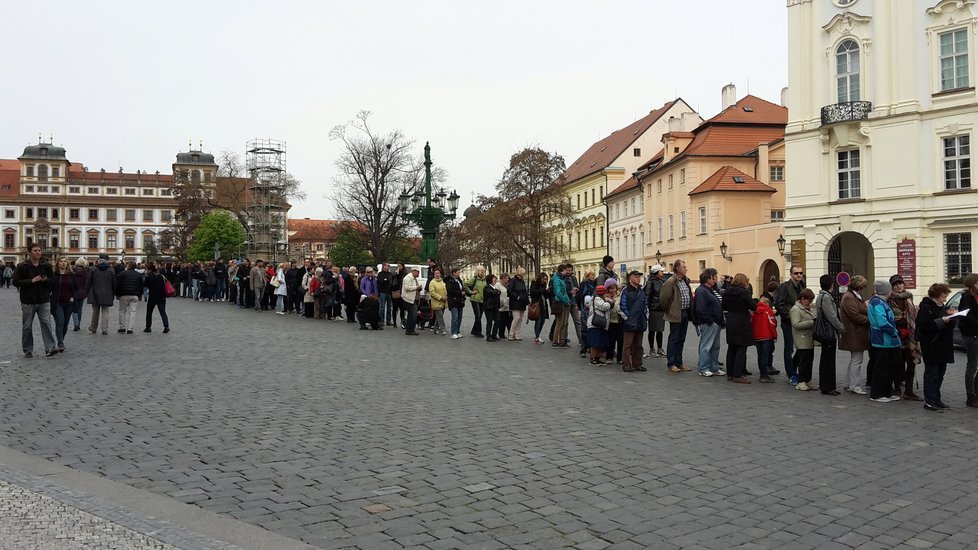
[(490, 298), (540, 294), (456, 293), (129, 283), (157, 287), (935, 336), (31, 292), (519, 297), (739, 304), (968, 324), (384, 279)]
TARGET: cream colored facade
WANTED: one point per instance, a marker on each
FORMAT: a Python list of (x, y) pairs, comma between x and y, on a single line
[(626, 229), (882, 111), (585, 234)]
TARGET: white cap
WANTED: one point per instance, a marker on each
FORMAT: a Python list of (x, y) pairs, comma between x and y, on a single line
[(657, 268)]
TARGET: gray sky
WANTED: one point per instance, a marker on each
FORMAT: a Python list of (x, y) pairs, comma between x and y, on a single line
[(129, 83)]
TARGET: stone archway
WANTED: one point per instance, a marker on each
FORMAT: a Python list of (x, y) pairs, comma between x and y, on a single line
[(851, 252)]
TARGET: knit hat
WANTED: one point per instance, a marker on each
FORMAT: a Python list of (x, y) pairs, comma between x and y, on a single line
[(896, 279), (882, 288), (601, 289), (608, 283)]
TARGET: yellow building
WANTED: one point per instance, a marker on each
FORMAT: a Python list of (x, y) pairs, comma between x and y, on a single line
[(717, 198), (606, 165)]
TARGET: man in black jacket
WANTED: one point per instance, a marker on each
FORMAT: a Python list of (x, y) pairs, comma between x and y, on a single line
[(34, 280), (384, 279), (784, 299), (128, 288), (221, 273), (293, 285)]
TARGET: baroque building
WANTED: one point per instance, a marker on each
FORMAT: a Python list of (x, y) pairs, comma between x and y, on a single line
[(882, 110)]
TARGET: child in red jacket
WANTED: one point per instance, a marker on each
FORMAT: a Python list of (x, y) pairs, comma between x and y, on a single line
[(765, 330)]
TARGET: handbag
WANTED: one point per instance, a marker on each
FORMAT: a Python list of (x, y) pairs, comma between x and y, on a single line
[(396, 294), (599, 319), (168, 289), (275, 282), (557, 309), (533, 312), (824, 332)]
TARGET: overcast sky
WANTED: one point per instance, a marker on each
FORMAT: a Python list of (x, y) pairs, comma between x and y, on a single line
[(130, 83)]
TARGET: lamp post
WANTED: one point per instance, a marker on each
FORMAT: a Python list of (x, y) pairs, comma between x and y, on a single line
[(723, 252), (781, 242), (428, 212), (658, 257)]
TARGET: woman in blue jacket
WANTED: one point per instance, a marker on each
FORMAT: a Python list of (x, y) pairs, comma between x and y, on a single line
[(884, 339)]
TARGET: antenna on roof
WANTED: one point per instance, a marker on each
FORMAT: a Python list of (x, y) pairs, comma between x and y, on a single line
[(39, 138), (190, 144), (201, 142), (51, 138), (748, 85)]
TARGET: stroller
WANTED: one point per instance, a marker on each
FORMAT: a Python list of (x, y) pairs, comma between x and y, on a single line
[(425, 315)]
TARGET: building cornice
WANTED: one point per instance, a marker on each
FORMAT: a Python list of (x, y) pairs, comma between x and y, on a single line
[(949, 5)]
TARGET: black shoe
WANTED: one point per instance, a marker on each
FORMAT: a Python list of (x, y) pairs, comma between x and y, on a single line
[(28, 355), (641, 369), (51, 352), (121, 331), (773, 372), (412, 333), (147, 329), (166, 330), (379, 328), (77, 329), (748, 373), (363, 327), (833, 392), (933, 408), (942, 405), (128, 332)]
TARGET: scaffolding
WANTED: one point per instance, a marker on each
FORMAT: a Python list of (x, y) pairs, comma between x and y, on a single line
[(268, 231)]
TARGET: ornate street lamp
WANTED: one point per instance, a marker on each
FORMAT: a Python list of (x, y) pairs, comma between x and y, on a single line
[(781, 242), (428, 212), (723, 252), (658, 257)]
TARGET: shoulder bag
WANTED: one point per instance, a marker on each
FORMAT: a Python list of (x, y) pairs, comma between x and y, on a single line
[(823, 332)]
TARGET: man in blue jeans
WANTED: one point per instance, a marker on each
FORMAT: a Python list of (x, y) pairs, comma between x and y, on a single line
[(784, 300), (35, 281), (709, 323), (675, 299)]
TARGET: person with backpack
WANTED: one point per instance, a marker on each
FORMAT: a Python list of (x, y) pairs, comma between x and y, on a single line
[(707, 316), (827, 310)]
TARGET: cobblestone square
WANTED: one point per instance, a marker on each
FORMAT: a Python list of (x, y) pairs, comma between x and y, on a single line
[(359, 439)]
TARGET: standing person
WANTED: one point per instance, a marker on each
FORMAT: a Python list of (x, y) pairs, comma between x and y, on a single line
[(155, 283), (295, 293), (410, 293), (62, 300), (456, 301), (968, 326), (675, 300), (281, 292), (246, 296), (935, 328), (802, 318), (221, 274), (784, 300), (368, 284), (657, 321), (580, 302), (577, 301), (709, 321), (101, 293), (340, 283), (562, 303), (79, 281), (490, 307), (8, 274), (855, 335), (398, 307), (597, 335), (351, 294), (540, 295), (634, 313), (505, 316), (826, 309), (616, 338), (384, 279), (257, 280), (607, 270), (765, 332), (519, 299), (33, 279), (312, 282), (269, 297), (740, 306), (905, 314), (438, 292), (232, 281), (128, 288), (475, 288), (884, 338), (186, 282)]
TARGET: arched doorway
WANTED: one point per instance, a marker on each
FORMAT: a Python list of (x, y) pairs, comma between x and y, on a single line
[(770, 271), (853, 253)]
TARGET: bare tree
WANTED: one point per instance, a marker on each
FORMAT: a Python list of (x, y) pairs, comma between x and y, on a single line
[(374, 169)]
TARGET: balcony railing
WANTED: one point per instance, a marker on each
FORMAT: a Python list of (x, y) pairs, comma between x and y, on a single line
[(846, 112)]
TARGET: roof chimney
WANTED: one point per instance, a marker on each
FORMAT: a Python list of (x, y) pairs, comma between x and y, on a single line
[(675, 124), (784, 97), (729, 96), (690, 121)]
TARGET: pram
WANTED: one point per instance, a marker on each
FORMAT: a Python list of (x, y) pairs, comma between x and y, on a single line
[(425, 315)]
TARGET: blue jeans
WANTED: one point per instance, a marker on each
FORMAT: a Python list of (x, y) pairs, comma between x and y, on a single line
[(456, 320), (62, 314), (538, 326), (765, 357), (195, 289), (677, 339), (789, 347), (709, 360), (385, 308), (43, 312), (222, 289)]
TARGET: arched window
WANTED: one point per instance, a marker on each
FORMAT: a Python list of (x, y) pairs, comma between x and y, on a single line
[(847, 71), (195, 176)]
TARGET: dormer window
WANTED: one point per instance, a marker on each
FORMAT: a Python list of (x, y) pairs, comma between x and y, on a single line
[(44, 151), (195, 158)]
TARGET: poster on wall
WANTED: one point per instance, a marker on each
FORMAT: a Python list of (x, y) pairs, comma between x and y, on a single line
[(907, 262)]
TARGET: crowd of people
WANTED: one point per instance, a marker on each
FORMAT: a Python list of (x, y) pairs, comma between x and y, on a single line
[(611, 320)]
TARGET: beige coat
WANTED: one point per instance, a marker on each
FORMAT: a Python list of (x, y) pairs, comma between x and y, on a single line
[(409, 288), (802, 326), (670, 299)]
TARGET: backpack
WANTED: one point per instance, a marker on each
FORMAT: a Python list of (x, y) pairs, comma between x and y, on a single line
[(693, 317)]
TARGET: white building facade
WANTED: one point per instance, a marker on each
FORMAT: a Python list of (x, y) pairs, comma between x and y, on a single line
[(882, 110)]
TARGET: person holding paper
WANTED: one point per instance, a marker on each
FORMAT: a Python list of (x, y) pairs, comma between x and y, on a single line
[(969, 331), (935, 332)]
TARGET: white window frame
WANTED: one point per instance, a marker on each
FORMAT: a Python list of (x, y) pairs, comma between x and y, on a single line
[(777, 172), (847, 172), (660, 230), (682, 224), (847, 78), (672, 227), (955, 56), (956, 166), (777, 215), (703, 220)]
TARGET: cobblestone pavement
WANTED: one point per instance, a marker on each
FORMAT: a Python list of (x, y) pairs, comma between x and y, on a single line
[(345, 438)]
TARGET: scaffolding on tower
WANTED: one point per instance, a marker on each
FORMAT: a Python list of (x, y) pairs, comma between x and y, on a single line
[(268, 231)]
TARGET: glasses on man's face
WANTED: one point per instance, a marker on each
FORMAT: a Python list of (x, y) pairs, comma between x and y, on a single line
[(797, 273)]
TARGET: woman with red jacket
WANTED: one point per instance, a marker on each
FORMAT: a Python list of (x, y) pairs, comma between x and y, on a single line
[(765, 328)]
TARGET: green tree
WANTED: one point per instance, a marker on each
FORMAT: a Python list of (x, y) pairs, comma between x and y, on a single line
[(218, 226), (350, 248)]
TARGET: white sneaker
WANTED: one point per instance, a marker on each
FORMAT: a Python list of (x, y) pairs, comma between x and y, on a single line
[(812, 386), (858, 391), (895, 398), (881, 399), (720, 372), (455, 337), (706, 373), (802, 386)]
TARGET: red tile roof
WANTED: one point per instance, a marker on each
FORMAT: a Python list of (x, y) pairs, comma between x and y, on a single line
[(116, 176), (317, 230), (9, 182), (9, 164), (723, 180), (600, 155), (758, 111), (632, 182)]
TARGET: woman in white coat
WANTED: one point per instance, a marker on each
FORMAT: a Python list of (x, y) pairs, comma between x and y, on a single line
[(281, 291)]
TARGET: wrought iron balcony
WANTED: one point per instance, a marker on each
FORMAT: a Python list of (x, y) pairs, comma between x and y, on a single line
[(846, 112)]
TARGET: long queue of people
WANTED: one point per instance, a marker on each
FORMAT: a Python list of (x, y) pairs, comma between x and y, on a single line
[(611, 319)]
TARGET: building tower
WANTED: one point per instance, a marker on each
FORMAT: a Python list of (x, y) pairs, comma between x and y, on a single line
[(265, 162)]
